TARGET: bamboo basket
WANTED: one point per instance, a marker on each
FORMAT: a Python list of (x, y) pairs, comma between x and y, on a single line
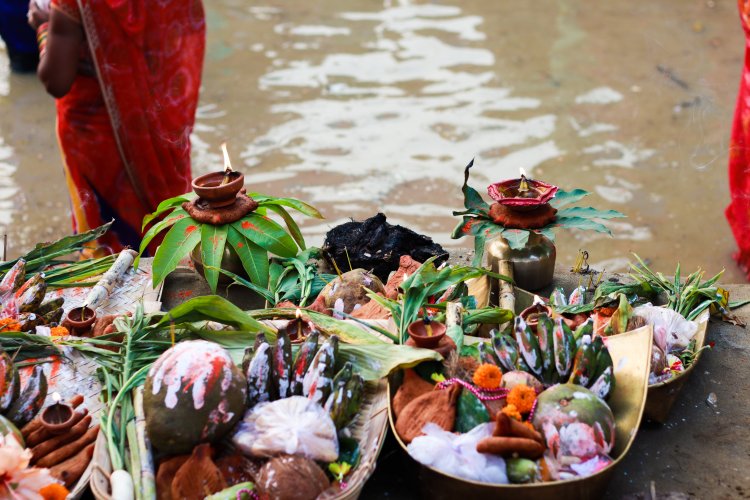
[(369, 429), (632, 359)]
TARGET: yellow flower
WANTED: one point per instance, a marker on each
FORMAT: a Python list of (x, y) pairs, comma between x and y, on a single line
[(487, 376), (511, 411), (522, 397)]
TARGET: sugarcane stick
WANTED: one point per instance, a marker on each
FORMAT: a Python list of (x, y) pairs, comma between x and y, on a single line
[(506, 297), (148, 477), (135, 463), (106, 284)]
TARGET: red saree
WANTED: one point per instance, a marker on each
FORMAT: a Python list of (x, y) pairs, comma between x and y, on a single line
[(125, 133)]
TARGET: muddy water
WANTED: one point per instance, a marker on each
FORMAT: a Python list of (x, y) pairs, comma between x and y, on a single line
[(360, 106)]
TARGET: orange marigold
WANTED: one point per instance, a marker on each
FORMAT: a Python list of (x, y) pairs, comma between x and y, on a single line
[(54, 491), (523, 397), (487, 376), (9, 325), (511, 411), (58, 331)]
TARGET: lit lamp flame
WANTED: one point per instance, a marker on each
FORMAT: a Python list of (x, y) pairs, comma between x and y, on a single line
[(523, 186), (298, 316), (298, 313), (227, 161), (56, 397)]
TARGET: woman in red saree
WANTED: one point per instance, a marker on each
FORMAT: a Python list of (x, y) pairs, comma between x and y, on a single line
[(738, 211), (126, 74)]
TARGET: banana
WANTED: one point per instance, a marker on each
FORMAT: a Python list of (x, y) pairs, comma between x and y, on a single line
[(259, 375), (506, 351), (33, 295), (28, 404), (564, 347), (49, 306), (282, 364), (10, 382), (318, 382), (13, 278), (528, 346), (346, 400), (303, 361), (545, 338)]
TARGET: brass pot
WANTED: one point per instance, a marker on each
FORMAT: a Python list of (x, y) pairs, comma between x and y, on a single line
[(230, 262), (533, 265)]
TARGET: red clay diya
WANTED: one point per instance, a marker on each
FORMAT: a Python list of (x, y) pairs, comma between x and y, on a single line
[(80, 320), (58, 417), (426, 339), (219, 189), (522, 194)]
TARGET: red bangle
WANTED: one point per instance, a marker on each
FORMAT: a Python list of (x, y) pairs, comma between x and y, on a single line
[(41, 38)]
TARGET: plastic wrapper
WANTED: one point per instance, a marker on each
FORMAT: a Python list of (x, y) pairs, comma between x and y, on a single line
[(457, 454), (672, 332), (293, 426)]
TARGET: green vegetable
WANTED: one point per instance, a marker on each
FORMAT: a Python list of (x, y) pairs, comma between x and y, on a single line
[(470, 412)]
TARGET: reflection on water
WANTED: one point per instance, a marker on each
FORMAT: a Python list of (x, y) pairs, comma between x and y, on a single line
[(359, 107)]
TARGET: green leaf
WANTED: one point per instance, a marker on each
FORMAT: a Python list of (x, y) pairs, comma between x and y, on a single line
[(267, 295), (589, 213), (166, 205), (472, 199), (290, 224), (548, 232), (487, 315), (581, 223), (470, 412), (563, 198), (213, 240), (179, 242), (169, 221), (517, 238), (267, 234), (254, 258), (300, 206), (213, 308), (375, 361), (63, 246), (327, 325)]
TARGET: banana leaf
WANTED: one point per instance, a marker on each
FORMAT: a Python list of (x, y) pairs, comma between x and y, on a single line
[(326, 324), (213, 308), (374, 361)]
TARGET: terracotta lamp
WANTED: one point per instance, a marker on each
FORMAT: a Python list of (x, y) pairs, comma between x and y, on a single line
[(58, 417), (219, 189), (522, 194)]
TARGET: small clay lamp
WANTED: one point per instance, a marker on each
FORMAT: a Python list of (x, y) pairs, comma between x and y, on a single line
[(426, 334), (80, 320), (219, 189), (298, 329), (58, 417), (531, 314)]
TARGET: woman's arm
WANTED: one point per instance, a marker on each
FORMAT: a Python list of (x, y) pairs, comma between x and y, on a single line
[(58, 65)]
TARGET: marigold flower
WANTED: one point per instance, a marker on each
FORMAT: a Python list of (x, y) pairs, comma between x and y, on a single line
[(487, 376), (9, 325), (522, 397), (58, 331), (54, 491), (511, 411)]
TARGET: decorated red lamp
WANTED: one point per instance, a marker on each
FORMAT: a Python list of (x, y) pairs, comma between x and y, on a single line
[(519, 225)]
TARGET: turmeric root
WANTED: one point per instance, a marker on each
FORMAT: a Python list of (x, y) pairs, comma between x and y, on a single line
[(36, 424), (43, 449), (511, 447), (69, 449), (72, 469), (44, 434)]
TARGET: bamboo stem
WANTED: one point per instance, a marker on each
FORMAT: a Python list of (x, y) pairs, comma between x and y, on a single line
[(506, 298)]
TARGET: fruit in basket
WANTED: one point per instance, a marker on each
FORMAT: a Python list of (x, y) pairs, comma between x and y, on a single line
[(31, 294), (302, 362), (13, 278), (10, 383), (564, 405), (318, 382), (193, 393), (349, 291), (259, 372), (291, 478)]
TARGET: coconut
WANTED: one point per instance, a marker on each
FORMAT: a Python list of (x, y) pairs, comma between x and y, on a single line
[(291, 478), (348, 292), (518, 377), (193, 393), (564, 405)]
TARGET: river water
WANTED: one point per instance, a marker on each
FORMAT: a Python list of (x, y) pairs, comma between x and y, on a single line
[(363, 106)]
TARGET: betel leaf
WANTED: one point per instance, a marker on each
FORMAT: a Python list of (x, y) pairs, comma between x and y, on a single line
[(213, 308), (266, 233), (516, 238), (581, 223), (589, 213), (254, 258), (213, 240), (563, 198), (290, 224), (166, 205), (178, 243), (160, 226), (298, 205)]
